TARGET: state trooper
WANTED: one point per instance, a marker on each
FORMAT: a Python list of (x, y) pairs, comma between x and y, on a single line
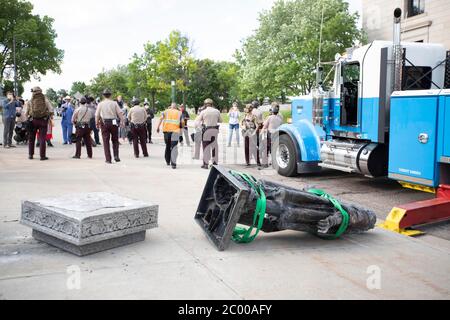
[(259, 127), (81, 119), (137, 116), (93, 106), (271, 124), (107, 117), (211, 119), (151, 116)]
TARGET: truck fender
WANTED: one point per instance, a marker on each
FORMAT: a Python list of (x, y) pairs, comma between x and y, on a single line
[(305, 138)]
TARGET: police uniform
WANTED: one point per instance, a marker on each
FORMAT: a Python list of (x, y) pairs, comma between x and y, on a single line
[(108, 116), (151, 115), (210, 118), (82, 118), (138, 122), (197, 136), (171, 120), (260, 124), (93, 106), (249, 127), (271, 125)]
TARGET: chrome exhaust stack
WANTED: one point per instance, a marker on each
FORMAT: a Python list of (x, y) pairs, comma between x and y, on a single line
[(398, 50)]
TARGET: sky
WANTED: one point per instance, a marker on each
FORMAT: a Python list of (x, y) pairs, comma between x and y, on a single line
[(101, 34)]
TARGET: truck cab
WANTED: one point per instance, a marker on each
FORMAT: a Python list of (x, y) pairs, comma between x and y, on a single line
[(368, 122)]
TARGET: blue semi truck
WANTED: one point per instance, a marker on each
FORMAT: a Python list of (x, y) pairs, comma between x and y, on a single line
[(387, 114)]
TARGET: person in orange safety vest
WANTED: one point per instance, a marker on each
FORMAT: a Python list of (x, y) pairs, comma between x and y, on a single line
[(171, 120)]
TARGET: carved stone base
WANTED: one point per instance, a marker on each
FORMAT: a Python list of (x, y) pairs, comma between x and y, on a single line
[(92, 248), (89, 221)]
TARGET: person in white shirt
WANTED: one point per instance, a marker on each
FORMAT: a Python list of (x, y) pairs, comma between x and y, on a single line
[(234, 115)]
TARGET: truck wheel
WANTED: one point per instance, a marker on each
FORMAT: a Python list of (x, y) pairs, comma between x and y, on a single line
[(285, 158)]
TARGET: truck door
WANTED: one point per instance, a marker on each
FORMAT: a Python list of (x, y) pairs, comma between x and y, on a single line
[(413, 137), (446, 129)]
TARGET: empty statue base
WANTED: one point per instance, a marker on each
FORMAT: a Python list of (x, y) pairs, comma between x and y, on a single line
[(92, 248), (84, 224)]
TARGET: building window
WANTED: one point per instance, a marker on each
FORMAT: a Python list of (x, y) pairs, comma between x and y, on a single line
[(415, 7)]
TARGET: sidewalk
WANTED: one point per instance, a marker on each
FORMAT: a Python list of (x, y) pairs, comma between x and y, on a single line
[(178, 262)]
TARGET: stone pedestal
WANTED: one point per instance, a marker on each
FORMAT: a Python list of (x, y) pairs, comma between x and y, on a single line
[(85, 224)]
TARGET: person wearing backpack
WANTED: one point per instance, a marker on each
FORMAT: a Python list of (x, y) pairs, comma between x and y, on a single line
[(39, 110)]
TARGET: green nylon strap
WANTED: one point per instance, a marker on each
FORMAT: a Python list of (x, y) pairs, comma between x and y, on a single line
[(244, 235), (337, 205)]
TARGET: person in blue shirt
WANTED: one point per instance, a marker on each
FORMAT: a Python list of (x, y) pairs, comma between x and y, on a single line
[(66, 122), (9, 119)]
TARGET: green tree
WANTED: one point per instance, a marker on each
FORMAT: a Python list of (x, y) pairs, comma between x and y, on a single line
[(150, 74), (116, 80), (281, 57), (36, 51), (63, 93), (204, 83), (144, 75), (8, 86), (52, 95), (176, 62), (78, 86), (215, 80)]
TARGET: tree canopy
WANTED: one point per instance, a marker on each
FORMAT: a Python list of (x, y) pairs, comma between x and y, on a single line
[(52, 95), (152, 72), (281, 57), (277, 61), (78, 86), (36, 51)]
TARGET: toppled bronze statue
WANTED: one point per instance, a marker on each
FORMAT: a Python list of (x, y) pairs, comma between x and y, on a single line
[(231, 198)]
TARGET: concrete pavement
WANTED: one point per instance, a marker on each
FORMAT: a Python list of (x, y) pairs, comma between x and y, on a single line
[(177, 261)]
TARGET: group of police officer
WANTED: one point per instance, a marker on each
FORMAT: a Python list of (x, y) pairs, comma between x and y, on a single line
[(109, 117)]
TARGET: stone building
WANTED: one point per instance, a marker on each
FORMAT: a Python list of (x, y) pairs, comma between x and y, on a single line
[(423, 20)]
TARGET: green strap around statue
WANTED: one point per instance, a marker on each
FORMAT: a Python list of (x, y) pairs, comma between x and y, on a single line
[(337, 205), (246, 235)]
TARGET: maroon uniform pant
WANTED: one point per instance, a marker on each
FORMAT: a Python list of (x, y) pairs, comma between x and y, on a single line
[(140, 137), (110, 132), (42, 126), (83, 134)]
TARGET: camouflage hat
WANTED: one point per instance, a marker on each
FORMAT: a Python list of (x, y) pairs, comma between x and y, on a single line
[(36, 89), (107, 92), (209, 101), (275, 107)]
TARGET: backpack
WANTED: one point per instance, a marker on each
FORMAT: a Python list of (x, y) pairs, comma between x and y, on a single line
[(39, 108)]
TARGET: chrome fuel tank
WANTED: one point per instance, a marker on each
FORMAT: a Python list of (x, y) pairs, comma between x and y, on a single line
[(369, 159)]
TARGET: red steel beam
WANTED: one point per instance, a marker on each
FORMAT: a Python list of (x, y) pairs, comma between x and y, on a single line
[(428, 211)]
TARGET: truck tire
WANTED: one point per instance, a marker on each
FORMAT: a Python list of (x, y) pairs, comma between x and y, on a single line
[(285, 157)]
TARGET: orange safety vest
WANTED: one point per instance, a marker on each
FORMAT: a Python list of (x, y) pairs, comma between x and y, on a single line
[(171, 121)]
